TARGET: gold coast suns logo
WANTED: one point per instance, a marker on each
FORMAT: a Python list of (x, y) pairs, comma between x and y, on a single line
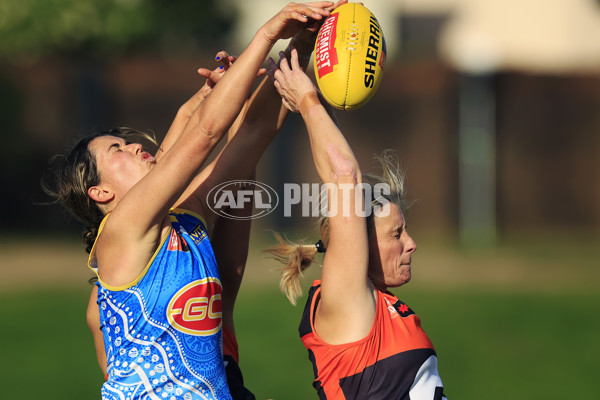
[(196, 308)]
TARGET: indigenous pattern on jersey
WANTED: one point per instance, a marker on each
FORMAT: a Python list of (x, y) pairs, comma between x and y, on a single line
[(395, 361), (162, 333)]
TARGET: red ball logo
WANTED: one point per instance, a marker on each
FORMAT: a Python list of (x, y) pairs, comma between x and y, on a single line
[(196, 308)]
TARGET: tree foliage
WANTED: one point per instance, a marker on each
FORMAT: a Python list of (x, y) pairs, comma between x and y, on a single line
[(30, 29)]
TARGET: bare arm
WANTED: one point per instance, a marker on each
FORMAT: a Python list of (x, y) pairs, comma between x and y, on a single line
[(257, 125), (263, 117), (258, 122), (347, 307), (136, 225), (186, 111), (230, 241)]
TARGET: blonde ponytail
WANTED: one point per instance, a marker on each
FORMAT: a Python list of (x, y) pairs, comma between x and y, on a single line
[(296, 257)]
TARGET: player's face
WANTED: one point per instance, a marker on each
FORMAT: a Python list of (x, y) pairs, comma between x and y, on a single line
[(120, 164), (390, 249)]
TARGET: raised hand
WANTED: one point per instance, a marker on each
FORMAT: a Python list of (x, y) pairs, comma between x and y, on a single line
[(290, 81), (287, 22), (213, 76), (304, 40)]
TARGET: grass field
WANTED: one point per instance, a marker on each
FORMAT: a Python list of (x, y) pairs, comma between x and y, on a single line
[(508, 334)]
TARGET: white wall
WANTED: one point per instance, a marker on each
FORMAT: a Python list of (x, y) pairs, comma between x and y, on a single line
[(253, 13), (537, 35)]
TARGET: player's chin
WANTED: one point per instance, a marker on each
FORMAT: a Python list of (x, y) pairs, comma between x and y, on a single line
[(403, 277), (406, 274), (399, 283)]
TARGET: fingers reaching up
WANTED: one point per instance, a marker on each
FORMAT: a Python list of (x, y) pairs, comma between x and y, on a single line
[(290, 81), (226, 60), (292, 18), (213, 76), (304, 39)]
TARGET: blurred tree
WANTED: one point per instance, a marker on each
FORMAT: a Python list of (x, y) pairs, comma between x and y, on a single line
[(30, 29)]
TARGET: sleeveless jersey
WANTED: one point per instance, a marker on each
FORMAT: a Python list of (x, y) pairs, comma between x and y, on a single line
[(396, 360), (162, 333)]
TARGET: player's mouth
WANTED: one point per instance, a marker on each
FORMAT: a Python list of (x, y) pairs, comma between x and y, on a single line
[(147, 156)]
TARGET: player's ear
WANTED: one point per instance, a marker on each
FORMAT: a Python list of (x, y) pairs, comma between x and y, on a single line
[(100, 194)]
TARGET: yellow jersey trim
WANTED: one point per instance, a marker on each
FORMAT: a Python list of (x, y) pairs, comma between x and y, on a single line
[(93, 251), (192, 213), (145, 270)]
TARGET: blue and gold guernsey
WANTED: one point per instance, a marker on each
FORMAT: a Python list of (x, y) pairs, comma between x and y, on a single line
[(162, 333)]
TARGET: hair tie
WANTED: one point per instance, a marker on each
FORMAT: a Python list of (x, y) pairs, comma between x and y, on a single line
[(320, 246)]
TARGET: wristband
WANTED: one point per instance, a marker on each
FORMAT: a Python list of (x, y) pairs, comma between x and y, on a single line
[(308, 100)]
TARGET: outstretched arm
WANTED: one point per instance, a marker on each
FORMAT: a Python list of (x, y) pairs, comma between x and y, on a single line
[(260, 121), (347, 307), (263, 117), (136, 225)]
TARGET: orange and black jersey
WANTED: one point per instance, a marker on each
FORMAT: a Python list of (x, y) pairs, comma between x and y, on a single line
[(395, 361)]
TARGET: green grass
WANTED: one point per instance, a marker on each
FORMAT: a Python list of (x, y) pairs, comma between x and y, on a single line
[(517, 346), (491, 345), (46, 348)]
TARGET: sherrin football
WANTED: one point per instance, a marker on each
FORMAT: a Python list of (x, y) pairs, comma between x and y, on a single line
[(349, 56)]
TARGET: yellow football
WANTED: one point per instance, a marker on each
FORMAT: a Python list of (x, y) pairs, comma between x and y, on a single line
[(349, 56)]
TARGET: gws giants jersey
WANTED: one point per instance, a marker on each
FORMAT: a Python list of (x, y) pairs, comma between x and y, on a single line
[(395, 361), (162, 333)]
